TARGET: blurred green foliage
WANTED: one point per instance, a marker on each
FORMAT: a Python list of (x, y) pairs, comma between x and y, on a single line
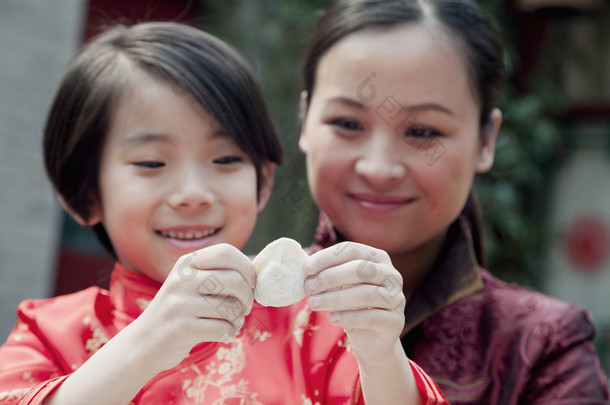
[(272, 35), (514, 194)]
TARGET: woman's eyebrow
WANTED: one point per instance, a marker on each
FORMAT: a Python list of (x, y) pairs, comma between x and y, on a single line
[(347, 101), (429, 106), (411, 108)]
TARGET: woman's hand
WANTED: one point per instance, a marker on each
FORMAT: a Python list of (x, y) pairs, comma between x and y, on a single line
[(363, 291), (205, 298)]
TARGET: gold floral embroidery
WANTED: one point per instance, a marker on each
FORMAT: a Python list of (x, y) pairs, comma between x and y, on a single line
[(142, 303), (10, 397), (255, 330), (27, 377), (345, 343), (98, 338), (17, 334), (258, 335), (308, 401), (219, 376), (301, 323)]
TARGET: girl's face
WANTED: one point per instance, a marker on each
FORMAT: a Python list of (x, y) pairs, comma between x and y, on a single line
[(171, 182), (392, 136)]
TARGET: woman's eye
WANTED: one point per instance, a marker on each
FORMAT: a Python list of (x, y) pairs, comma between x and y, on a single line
[(421, 132), (149, 164), (226, 160), (346, 124)]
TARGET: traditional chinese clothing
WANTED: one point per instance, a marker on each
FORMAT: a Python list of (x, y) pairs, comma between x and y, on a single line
[(281, 356), (485, 341)]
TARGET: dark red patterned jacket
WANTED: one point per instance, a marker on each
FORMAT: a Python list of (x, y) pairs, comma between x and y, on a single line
[(485, 341)]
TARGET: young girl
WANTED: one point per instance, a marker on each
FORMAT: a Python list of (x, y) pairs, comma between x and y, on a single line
[(160, 139), (399, 116)]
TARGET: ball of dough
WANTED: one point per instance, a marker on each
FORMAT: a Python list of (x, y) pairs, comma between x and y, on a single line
[(280, 279)]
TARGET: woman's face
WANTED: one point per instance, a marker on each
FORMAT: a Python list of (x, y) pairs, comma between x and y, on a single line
[(392, 136)]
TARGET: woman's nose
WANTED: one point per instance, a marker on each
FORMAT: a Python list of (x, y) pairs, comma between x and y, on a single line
[(381, 164)]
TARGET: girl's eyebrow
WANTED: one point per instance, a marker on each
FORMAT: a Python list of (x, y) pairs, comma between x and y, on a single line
[(152, 137), (147, 137), (218, 133)]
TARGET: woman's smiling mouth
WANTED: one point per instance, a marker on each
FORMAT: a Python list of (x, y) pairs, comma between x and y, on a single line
[(379, 204)]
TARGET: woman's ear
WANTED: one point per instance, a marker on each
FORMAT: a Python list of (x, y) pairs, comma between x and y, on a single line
[(302, 116), (303, 106), (95, 213), (267, 176), (488, 141)]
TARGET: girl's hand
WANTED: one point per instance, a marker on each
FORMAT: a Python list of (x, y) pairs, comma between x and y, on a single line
[(205, 298), (363, 291)]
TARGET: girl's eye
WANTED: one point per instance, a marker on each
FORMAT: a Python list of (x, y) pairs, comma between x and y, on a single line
[(421, 132), (226, 160), (149, 164), (346, 124)]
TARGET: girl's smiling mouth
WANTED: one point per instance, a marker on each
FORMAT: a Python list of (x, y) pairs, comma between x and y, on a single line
[(189, 238), (188, 234)]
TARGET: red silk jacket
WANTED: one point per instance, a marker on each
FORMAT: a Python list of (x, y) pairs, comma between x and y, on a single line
[(281, 356)]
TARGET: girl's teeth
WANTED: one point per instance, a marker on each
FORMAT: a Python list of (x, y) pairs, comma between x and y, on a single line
[(189, 235)]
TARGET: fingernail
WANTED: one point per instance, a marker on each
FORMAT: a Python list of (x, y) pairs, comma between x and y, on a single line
[(311, 284), (314, 301), (227, 337), (334, 317)]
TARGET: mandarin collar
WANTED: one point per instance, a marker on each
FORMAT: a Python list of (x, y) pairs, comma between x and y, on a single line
[(130, 292), (453, 277)]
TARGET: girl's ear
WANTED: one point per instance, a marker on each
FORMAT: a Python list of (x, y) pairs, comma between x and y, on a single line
[(267, 176), (95, 215), (302, 115), (488, 142)]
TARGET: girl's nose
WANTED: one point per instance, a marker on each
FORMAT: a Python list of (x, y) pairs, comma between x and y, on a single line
[(191, 190), (381, 164)]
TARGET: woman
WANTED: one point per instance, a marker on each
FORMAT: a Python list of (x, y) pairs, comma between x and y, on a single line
[(399, 115)]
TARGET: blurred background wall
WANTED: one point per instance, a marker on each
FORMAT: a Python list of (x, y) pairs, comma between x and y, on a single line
[(546, 202), (36, 41)]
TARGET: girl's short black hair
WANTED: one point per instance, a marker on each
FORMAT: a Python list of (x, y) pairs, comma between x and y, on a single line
[(190, 60)]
